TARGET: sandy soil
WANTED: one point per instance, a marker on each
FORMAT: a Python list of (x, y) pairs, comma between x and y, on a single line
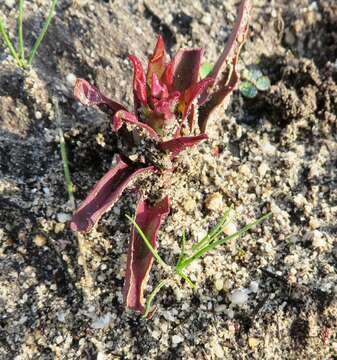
[(277, 152)]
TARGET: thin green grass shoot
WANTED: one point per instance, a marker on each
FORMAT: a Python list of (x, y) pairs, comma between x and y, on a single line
[(19, 55), (210, 242)]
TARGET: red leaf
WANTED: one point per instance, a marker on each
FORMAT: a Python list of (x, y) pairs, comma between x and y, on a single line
[(104, 195), (223, 85), (157, 89), (193, 92), (140, 259), (167, 77), (130, 118), (157, 61), (89, 95), (139, 82), (186, 67), (175, 146)]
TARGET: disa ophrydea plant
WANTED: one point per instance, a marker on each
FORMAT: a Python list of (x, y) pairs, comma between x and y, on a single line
[(171, 108)]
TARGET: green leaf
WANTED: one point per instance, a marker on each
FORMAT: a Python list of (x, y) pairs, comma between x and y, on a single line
[(263, 83), (248, 89), (251, 74), (205, 69)]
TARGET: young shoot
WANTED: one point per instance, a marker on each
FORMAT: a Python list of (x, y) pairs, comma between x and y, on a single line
[(211, 241), (254, 81), (19, 55)]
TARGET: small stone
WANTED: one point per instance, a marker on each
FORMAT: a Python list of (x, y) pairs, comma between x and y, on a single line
[(58, 339), (61, 316), (38, 115), (318, 240), (253, 342), (190, 205), (221, 308), (40, 240), (238, 296), (245, 171), (10, 3), (58, 228), (314, 223), (219, 284), (176, 339), (230, 228), (71, 79), (230, 313), (207, 19), (102, 322), (218, 351), (254, 286), (63, 217), (214, 201), (101, 356), (262, 169)]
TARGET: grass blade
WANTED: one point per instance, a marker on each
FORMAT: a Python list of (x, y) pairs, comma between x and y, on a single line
[(149, 301), (213, 233), (148, 243), (64, 156), (43, 32), (219, 242), (21, 45), (9, 44)]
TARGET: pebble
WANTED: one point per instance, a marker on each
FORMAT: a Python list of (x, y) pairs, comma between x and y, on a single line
[(102, 322), (214, 201), (101, 356), (40, 240), (219, 284), (218, 351), (177, 339), (254, 286), (38, 115), (221, 308), (207, 19), (10, 3), (318, 240), (314, 223), (253, 342), (58, 228), (262, 169), (71, 79), (245, 171), (63, 217), (230, 228), (238, 296), (190, 205)]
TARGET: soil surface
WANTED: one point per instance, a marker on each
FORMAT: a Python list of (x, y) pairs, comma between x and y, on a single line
[(276, 152)]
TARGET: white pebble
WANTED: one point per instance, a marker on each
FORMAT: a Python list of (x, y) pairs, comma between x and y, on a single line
[(254, 286), (214, 201), (219, 284), (229, 229), (238, 296), (101, 356), (221, 308), (318, 240), (63, 217), (207, 19), (176, 339), (262, 169), (101, 322), (10, 3), (71, 79), (230, 313), (38, 115)]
